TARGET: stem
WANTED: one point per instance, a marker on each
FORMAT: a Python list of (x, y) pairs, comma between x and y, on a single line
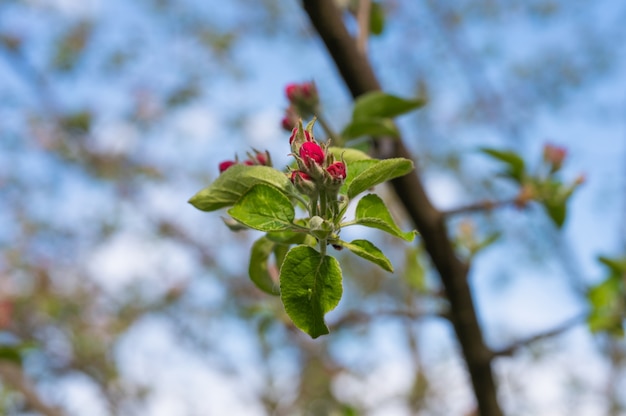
[(336, 138)]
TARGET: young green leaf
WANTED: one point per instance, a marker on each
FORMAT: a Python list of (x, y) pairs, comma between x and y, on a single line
[(378, 104), (354, 169), (516, 165), (382, 171), (371, 211), (264, 208), (368, 251), (377, 19), (557, 210), (370, 127), (258, 268), (236, 181), (348, 154), (310, 286)]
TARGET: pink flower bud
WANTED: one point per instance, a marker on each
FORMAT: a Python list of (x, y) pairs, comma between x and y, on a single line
[(337, 170), (286, 123), (312, 151), (226, 164), (299, 174), (261, 158), (249, 162), (554, 155), (307, 135), (291, 91)]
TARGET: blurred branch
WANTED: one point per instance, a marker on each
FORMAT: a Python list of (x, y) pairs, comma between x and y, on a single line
[(363, 19), (359, 76), (359, 317), (514, 347), (486, 205), (13, 375)]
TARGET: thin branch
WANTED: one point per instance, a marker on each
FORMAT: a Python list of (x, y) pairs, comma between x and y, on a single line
[(517, 345), (359, 76), (486, 205), (13, 375), (363, 19), (352, 318)]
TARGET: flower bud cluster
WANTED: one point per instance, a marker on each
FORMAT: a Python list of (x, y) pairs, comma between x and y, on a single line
[(319, 175), (258, 158), (303, 102)]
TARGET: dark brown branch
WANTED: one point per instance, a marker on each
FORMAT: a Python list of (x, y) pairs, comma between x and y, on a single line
[(517, 345), (359, 76)]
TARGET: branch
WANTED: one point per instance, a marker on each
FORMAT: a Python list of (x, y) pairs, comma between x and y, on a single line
[(486, 205), (514, 347), (359, 317), (13, 375), (363, 19), (359, 76)]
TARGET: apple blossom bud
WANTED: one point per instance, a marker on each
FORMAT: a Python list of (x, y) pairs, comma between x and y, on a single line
[(554, 155), (337, 171), (226, 164), (291, 91), (312, 151)]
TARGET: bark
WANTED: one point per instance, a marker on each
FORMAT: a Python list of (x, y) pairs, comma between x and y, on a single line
[(359, 77)]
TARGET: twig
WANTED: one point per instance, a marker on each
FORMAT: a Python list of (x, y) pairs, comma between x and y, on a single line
[(13, 375), (486, 205), (514, 347), (359, 317), (363, 19)]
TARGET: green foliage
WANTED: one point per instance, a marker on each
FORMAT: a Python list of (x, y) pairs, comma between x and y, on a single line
[(543, 186), (380, 172), (608, 299), (264, 208), (368, 251), (373, 113), (371, 211), (515, 166), (264, 199), (258, 269), (236, 181), (310, 286)]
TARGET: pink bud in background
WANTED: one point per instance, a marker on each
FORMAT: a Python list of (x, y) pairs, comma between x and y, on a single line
[(296, 174), (226, 164), (312, 151), (261, 158), (248, 162), (337, 170), (554, 155), (291, 91)]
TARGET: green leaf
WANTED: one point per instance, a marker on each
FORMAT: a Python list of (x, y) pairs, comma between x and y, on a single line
[(608, 306), (354, 169), (381, 172), (377, 104), (414, 269), (557, 211), (617, 265), (368, 251), (310, 286), (371, 211), (370, 127), (236, 181), (264, 208), (516, 165), (377, 19), (11, 353), (348, 154), (258, 268)]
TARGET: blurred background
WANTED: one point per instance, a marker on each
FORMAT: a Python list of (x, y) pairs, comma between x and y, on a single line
[(122, 299)]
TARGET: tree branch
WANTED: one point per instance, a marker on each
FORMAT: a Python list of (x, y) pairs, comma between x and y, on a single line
[(514, 347), (359, 76), (13, 375), (486, 205)]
